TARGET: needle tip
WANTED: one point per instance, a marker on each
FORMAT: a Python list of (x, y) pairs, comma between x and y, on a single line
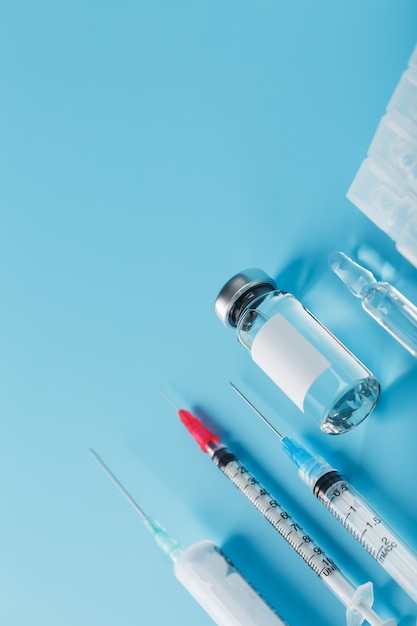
[(253, 407), (170, 400), (118, 484), (99, 460), (94, 454)]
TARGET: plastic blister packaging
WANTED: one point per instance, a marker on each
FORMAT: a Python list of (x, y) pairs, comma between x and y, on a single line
[(385, 187), (391, 206), (396, 144)]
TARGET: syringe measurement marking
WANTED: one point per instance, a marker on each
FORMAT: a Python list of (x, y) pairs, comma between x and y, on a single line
[(257, 494), (328, 502), (386, 548), (336, 491)]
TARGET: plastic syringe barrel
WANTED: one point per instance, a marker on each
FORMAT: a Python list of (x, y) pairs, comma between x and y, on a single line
[(215, 583), (356, 515)]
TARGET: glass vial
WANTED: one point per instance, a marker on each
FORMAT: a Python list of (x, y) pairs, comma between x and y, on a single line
[(297, 352)]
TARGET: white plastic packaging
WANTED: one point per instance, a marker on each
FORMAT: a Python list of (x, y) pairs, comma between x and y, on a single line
[(385, 187)]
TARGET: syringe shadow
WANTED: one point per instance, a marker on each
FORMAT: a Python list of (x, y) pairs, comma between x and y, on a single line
[(401, 387), (270, 584)]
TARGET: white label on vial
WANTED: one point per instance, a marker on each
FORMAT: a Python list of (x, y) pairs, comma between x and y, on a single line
[(282, 352)]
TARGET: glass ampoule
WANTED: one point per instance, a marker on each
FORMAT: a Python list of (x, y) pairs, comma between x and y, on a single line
[(388, 306)]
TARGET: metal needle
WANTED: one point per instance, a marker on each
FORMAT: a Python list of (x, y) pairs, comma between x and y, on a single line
[(118, 484), (258, 413)]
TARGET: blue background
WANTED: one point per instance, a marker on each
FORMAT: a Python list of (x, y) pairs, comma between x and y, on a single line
[(149, 151)]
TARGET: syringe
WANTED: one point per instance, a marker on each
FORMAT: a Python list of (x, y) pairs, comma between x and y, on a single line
[(352, 510), (357, 600), (207, 574)]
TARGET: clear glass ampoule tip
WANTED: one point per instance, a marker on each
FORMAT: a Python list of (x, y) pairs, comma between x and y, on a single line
[(388, 306)]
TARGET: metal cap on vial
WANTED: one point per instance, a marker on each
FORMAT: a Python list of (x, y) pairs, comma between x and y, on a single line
[(238, 292)]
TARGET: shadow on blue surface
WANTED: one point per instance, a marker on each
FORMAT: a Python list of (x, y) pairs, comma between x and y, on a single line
[(271, 585)]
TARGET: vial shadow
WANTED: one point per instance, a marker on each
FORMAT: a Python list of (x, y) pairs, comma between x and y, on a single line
[(402, 384), (302, 273)]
